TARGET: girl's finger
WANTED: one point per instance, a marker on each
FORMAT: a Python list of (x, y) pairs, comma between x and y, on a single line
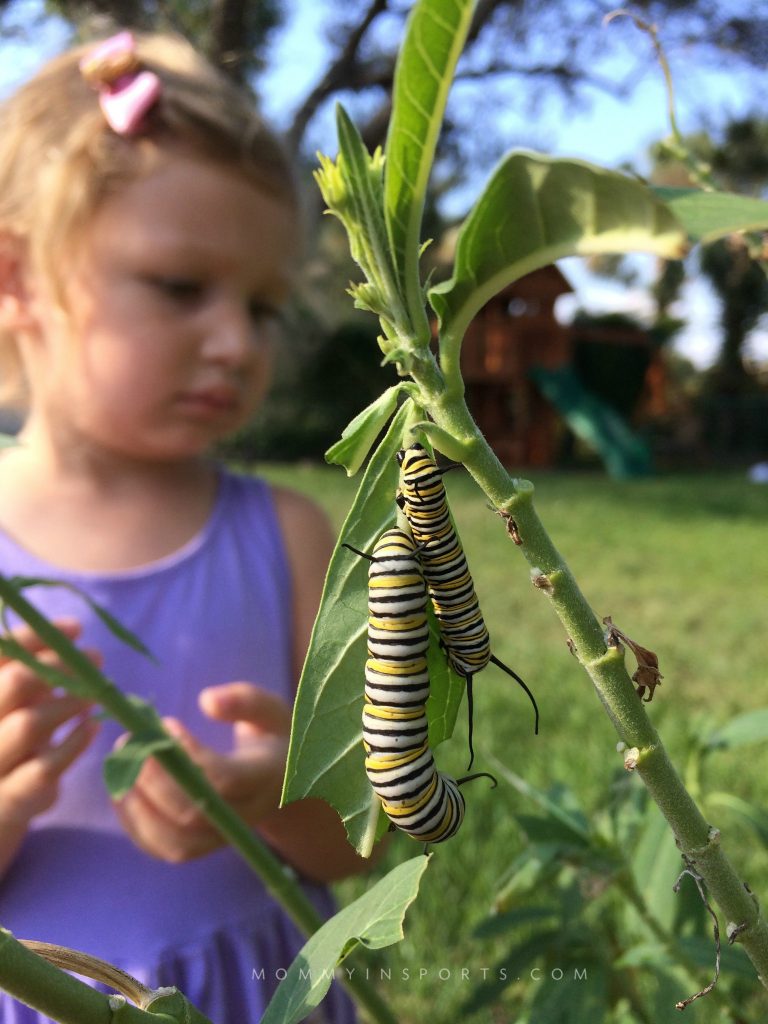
[(21, 686), (28, 638), (26, 732), (32, 787), (247, 703), (153, 831), (59, 757)]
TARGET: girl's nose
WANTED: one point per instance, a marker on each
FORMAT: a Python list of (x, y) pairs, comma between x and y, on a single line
[(232, 337)]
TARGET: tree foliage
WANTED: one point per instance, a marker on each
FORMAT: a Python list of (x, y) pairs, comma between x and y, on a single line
[(735, 159)]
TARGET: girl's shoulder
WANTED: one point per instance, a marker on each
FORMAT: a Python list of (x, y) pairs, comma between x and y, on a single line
[(305, 529), (302, 523)]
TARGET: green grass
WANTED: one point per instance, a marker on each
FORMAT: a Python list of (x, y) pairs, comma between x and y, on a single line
[(681, 565)]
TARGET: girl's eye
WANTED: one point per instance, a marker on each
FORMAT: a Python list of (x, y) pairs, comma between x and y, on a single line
[(263, 314), (179, 289)]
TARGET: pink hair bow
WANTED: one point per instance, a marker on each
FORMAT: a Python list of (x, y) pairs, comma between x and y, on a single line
[(126, 93)]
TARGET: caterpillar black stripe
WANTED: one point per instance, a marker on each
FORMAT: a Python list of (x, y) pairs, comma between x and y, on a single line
[(463, 631)]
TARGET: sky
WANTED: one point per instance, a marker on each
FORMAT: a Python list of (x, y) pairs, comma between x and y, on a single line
[(607, 130)]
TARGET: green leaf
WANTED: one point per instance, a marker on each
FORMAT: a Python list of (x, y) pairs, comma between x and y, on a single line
[(525, 876), (558, 805), (326, 757), (500, 924), (514, 965), (446, 688), (362, 175), (707, 216), (358, 437), (434, 37), (536, 209), (733, 958), (552, 831), (374, 920), (750, 813), (750, 727), (112, 624), (643, 954), (656, 864), (122, 766), (582, 1002)]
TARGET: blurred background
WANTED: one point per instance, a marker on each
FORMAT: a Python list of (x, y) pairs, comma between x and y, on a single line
[(634, 393), (631, 366)]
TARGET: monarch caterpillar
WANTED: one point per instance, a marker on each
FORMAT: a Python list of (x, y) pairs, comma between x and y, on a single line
[(417, 798), (421, 497)]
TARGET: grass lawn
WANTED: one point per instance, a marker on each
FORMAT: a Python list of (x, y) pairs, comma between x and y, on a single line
[(681, 565)]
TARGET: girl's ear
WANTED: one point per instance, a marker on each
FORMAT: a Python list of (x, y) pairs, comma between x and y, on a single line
[(15, 298)]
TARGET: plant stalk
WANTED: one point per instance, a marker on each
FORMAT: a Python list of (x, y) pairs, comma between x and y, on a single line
[(698, 842), (279, 879), (51, 991)]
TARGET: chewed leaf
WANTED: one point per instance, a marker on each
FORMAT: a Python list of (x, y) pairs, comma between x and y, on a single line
[(122, 766), (434, 38), (707, 216), (358, 437), (374, 920), (326, 753), (536, 209)]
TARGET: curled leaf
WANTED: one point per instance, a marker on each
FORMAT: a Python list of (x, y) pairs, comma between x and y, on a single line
[(647, 675)]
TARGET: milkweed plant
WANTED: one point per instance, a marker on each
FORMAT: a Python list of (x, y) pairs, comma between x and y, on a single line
[(533, 210)]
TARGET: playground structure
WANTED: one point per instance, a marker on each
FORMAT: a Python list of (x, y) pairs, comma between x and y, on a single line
[(523, 379)]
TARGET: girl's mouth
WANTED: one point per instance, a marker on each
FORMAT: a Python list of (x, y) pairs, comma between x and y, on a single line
[(210, 401)]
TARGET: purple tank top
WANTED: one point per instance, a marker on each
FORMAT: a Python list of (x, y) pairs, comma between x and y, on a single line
[(217, 610)]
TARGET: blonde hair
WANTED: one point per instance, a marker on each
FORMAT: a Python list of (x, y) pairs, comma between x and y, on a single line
[(59, 160)]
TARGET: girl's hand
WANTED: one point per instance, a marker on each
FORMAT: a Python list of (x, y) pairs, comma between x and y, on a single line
[(161, 818), (31, 763)]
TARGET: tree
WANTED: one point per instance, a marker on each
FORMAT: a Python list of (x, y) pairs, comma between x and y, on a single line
[(537, 49), (735, 158)]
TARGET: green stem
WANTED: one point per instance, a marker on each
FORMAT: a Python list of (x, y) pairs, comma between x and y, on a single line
[(698, 842), (36, 983), (278, 879)]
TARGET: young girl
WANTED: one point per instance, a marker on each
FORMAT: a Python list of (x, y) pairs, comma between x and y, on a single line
[(148, 239)]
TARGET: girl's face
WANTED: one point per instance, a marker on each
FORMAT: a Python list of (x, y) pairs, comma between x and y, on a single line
[(170, 301)]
